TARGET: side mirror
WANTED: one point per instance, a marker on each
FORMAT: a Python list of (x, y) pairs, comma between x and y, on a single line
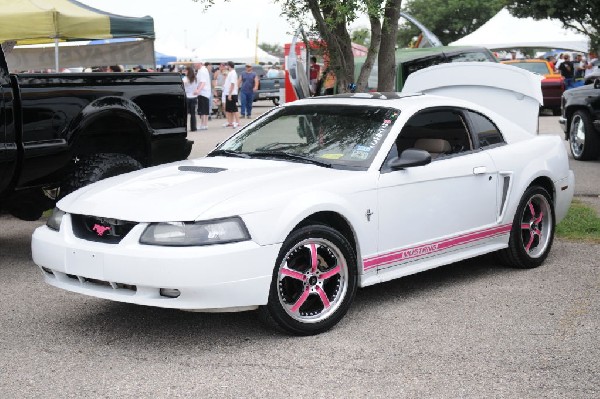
[(409, 158), (597, 84)]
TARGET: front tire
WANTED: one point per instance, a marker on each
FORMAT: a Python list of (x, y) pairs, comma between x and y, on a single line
[(276, 101), (314, 282), (532, 232), (97, 167), (584, 140)]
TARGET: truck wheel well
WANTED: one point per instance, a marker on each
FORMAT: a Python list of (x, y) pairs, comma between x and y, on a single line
[(113, 134)]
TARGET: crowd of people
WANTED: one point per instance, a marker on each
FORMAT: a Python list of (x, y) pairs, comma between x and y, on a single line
[(574, 71)]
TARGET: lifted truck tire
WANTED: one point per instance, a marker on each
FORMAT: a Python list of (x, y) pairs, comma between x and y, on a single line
[(95, 168)]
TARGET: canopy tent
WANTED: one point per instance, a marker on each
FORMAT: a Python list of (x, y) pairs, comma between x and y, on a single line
[(230, 47), (504, 31), (31, 21)]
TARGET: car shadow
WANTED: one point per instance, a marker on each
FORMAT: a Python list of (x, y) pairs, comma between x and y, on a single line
[(126, 324)]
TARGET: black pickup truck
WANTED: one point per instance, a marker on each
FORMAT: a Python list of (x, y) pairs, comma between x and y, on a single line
[(580, 120), (59, 132)]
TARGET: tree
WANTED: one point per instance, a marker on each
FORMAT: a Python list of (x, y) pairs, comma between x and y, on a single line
[(272, 48), (449, 20), (580, 15), (331, 19)]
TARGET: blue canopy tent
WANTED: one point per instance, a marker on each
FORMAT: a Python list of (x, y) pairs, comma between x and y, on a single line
[(163, 59)]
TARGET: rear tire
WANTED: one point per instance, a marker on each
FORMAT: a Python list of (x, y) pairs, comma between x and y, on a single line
[(314, 282), (584, 140), (97, 167), (276, 102), (532, 232)]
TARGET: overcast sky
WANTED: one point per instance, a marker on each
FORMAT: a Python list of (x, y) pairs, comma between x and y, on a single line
[(185, 22)]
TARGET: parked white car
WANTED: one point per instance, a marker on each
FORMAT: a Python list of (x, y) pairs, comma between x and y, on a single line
[(320, 197)]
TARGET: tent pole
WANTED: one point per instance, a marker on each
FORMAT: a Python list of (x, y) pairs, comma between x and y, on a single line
[(56, 54)]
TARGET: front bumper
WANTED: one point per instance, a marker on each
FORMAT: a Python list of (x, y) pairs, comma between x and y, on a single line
[(213, 278), (565, 189)]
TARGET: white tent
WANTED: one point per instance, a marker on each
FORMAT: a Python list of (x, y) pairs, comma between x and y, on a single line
[(230, 47), (504, 31)]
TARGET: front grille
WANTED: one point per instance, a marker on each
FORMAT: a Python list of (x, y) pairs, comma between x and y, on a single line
[(99, 229)]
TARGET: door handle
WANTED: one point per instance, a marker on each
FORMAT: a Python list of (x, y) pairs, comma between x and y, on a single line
[(479, 170)]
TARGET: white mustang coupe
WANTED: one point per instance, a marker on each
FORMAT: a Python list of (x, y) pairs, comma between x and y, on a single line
[(320, 197)]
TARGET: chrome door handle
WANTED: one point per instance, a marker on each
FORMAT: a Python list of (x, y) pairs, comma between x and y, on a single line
[(479, 170)]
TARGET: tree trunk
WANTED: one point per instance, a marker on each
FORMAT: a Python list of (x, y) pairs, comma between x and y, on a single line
[(363, 78), (387, 48)]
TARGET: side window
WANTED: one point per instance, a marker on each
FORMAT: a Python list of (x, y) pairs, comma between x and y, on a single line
[(484, 131), (478, 56), (441, 132)]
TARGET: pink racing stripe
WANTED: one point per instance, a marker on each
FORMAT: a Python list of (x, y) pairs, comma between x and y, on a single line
[(426, 249)]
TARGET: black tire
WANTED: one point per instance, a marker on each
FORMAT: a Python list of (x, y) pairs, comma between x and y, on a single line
[(95, 168), (584, 140), (314, 282), (276, 101), (532, 232)]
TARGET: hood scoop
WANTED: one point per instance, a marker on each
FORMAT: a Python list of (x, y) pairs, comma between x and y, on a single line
[(201, 169)]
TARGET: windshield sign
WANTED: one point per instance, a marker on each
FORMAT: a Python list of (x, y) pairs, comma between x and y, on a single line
[(338, 136)]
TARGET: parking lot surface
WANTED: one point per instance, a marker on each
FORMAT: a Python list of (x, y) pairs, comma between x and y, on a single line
[(473, 329)]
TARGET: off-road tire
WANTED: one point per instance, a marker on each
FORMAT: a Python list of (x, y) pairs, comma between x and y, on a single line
[(96, 167)]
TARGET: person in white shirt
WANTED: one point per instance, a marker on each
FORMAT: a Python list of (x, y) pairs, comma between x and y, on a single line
[(203, 99), (230, 90), (190, 84)]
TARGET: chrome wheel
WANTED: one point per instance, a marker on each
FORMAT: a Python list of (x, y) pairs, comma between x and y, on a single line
[(577, 137), (312, 280), (536, 226)]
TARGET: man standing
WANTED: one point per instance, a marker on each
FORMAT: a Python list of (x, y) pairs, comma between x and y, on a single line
[(566, 70), (203, 99), (248, 84), (230, 90)]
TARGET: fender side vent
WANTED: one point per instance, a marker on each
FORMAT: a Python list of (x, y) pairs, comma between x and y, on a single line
[(200, 169)]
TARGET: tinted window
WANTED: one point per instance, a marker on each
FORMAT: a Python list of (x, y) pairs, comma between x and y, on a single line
[(475, 56), (485, 132)]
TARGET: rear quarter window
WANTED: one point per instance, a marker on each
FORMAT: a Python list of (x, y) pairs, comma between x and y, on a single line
[(484, 131)]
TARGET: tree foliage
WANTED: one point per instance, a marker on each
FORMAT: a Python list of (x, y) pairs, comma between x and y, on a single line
[(449, 20), (580, 15), (329, 26)]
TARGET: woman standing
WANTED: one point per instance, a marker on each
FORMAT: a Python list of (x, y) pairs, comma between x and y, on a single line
[(190, 84)]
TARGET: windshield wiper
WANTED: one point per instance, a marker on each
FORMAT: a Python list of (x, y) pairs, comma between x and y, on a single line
[(288, 156), (227, 153)]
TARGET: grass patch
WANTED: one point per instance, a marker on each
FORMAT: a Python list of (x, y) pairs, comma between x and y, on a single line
[(581, 223)]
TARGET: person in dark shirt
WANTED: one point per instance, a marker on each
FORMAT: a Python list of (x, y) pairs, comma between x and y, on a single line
[(567, 71)]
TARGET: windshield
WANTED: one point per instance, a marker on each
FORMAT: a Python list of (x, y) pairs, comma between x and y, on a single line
[(339, 136), (540, 68)]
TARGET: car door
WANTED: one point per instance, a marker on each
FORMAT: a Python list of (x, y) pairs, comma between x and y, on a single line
[(448, 204)]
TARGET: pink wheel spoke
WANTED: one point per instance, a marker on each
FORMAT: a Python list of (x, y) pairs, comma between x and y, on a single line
[(293, 274), (330, 273), (531, 209), (323, 297), (539, 218), (301, 300), (314, 262), (538, 232), (525, 226), (531, 238)]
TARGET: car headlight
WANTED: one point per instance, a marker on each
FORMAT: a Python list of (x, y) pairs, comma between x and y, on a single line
[(55, 219), (183, 234)]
